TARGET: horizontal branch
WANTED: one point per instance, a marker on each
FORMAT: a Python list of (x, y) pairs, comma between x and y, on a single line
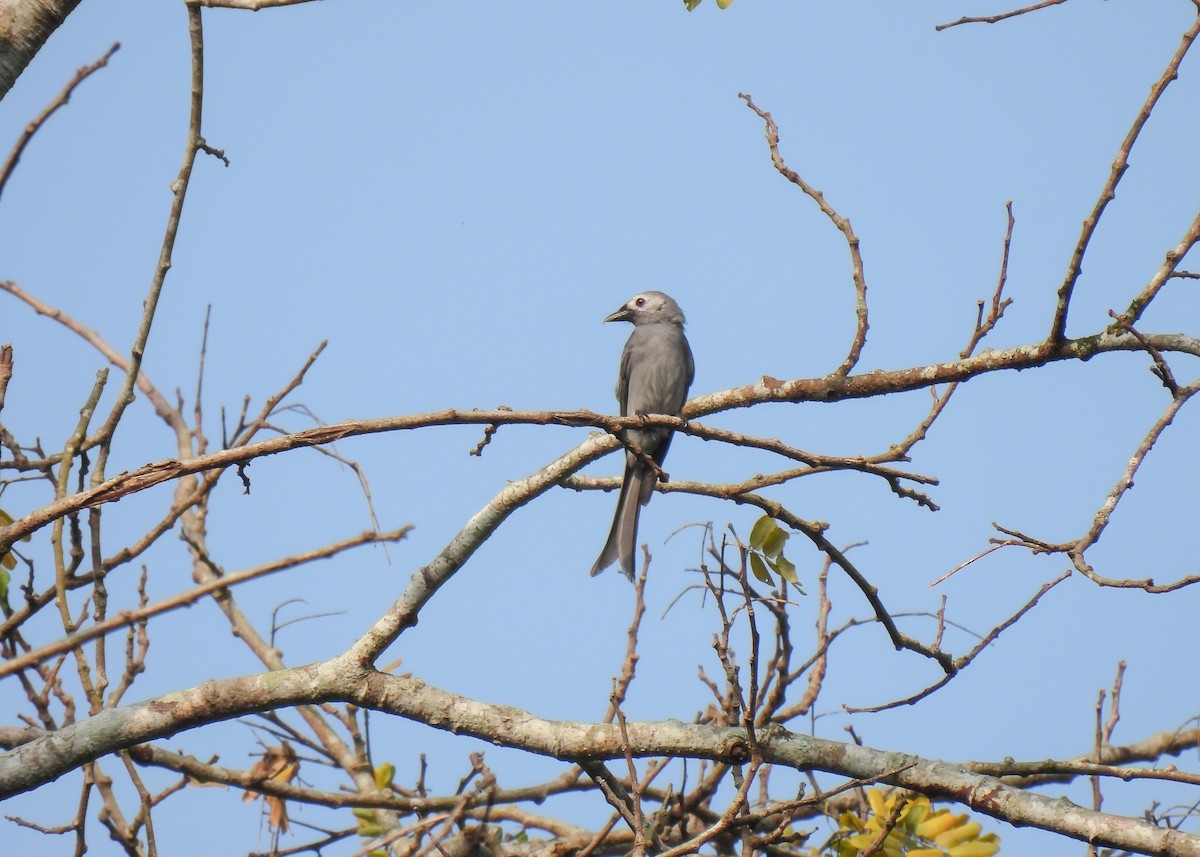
[(828, 389), (250, 5), (204, 772), (1113, 761), (342, 680)]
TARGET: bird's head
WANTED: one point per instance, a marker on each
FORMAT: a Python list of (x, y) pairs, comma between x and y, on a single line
[(649, 308)]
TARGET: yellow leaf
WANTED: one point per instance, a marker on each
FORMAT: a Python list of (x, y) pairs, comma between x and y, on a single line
[(7, 560), (878, 805), (723, 4), (926, 852), (383, 775), (939, 823), (958, 834), (978, 848)]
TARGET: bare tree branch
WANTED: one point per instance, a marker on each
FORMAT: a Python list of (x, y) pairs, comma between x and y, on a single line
[(843, 226), (1059, 326), (767, 390), (63, 97), (992, 19), (342, 679), (191, 596)]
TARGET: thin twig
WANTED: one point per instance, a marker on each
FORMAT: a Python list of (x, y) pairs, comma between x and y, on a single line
[(1108, 193), (191, 596), (962, 662), (63, 97), (843, 226), (6, 369), (992, 19)]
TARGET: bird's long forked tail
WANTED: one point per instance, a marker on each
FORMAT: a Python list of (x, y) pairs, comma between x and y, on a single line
[(622, 538)]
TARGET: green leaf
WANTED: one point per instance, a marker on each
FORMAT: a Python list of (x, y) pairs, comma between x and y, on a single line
[(917, 810), (787, 570), (775, 541), (760, 569), (723, 4), (761, 530), (691, 4)]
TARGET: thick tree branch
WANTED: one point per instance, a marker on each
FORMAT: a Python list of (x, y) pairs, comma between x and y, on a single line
[(340, 679)]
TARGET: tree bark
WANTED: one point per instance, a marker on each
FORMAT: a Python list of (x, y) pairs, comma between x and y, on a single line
[(25, 25)]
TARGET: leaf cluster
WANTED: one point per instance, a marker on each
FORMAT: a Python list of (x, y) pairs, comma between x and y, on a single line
[(900, 825), (767, 540)]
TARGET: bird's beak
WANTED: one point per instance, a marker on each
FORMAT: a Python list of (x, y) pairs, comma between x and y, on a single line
[(623, 314)]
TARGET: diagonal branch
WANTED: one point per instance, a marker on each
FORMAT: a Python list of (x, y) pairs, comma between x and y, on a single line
[(63, 97), (127, 618), (1109, 192)]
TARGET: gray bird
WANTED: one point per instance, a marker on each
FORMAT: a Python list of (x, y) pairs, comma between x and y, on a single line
[(656, 371)]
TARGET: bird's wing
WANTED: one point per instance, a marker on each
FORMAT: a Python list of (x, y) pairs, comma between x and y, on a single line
[(623, 376)]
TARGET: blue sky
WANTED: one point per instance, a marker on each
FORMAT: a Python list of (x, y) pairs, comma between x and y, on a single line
[(455, 195)]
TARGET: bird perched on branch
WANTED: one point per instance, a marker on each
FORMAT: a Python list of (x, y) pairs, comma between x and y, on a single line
[(656, 371)]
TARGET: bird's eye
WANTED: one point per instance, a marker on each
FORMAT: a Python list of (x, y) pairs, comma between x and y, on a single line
[(640, 302)]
